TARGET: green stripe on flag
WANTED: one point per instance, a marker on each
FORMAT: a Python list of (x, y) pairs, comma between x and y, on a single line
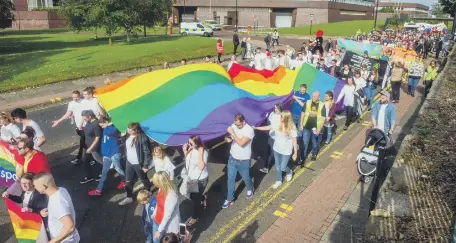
[(307, 75), (6, 165)]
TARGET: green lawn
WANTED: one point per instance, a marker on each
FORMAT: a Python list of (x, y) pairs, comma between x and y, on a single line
[(346, 28), (33, 58)]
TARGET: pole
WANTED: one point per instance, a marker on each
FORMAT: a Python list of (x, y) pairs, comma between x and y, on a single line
[(183, 15), (453, 29), (310, 31), (236, 16), (210, 9), (375, 18)]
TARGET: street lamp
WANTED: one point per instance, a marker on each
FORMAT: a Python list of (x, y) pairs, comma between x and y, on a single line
[(375, 18), (183, 15), (236, 22), (311, 19)]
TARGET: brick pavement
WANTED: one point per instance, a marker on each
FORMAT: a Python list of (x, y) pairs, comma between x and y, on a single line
[(315, 209)]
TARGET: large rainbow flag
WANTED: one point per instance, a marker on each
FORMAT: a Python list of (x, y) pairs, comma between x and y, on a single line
[(173, 104), (7, 166), (28, 227), (202, 99)]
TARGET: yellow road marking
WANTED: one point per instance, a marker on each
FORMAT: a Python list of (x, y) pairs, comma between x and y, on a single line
[(58, 99), (286, 207), (52, 100), (263, 200), (338, 153), (280, 214), (335, 156)]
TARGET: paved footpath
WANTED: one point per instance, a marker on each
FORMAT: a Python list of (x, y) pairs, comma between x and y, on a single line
[(316, 209)]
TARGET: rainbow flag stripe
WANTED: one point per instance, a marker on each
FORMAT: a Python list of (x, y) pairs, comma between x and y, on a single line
[(27, 226), (306, 74), (173, 104), (7, 166)]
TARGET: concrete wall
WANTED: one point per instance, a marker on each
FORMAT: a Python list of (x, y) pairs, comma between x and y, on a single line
[(383, 16), (31, 20), (245, 15), (303, 16)]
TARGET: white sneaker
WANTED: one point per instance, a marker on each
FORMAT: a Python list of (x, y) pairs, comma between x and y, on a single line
[(277, 184), (289, 176), (126, 201)]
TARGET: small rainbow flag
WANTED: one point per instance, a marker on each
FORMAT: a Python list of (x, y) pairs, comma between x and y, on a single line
[(27, 227), (7, 166), (173, 104)]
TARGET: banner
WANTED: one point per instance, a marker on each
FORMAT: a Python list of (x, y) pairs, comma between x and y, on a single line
[(356, 61), (28, 227), (374, 50), (7, 166)]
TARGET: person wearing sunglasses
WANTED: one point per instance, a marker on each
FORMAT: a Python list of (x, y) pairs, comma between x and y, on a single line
[(34, 161)]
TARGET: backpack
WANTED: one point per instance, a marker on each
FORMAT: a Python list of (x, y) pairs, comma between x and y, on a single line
[(266, 39)]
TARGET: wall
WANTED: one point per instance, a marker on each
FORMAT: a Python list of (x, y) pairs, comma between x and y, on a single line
[(31, 20), (383, 16), (303, 16), (245, 15)]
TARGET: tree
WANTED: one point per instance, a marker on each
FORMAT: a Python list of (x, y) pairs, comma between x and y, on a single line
[(75, 13), (153, 12), (448, 6), (437, 10), (387, 10), (6, 13)]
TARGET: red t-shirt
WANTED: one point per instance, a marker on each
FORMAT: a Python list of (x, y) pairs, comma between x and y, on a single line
[(37, 163), (219, 48), (160, 208)]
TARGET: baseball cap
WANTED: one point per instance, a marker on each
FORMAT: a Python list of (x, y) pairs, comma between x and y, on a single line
[(386, 94)]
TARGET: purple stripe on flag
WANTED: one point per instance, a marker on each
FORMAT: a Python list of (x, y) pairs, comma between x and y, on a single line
[(217, 122), (337, 89)]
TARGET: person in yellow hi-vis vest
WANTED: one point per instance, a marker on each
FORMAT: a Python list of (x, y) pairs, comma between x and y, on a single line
[(312, 122)]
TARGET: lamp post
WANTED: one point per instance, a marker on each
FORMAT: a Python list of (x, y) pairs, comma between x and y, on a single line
[(375, 17), (183, 15), (311, 20), (236, 22)]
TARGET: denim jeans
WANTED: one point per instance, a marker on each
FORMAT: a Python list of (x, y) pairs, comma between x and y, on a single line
[(412, 84), (241, 166), (107, 161), (155, 229), (148, 230), (370, 91), (328, 132), (296, 121), (281, 163), (316, 140)]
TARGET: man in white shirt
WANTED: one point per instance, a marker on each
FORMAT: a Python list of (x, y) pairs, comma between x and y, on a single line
[(60, 211), (240, 135), (75, 108), (20, 116), (258, 60)]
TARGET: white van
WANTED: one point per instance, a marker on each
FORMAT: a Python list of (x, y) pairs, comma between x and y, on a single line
[(195, 29)]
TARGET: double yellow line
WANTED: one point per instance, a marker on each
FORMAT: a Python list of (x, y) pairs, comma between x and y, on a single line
[(260, 202)]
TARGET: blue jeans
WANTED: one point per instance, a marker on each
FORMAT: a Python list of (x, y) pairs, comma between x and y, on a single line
[(148, 230), (328, 132), (107, 161), (412, 84), (281, 163), (316, 140), (243, 167), (155, 229), (370, 91), (296, 121)]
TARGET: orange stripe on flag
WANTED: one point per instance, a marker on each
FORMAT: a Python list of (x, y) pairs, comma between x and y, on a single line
[(24, 224), (111, 87), (276, 78), (13, 207)]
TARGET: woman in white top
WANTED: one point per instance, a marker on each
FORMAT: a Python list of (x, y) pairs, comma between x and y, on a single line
[(348, 93), (162, 162), (249, 53), (273, 121), (285, 145), (9, 130), (232, 61), (196, 169)]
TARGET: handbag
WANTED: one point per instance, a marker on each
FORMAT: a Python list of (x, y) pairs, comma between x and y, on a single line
[(193, 185)]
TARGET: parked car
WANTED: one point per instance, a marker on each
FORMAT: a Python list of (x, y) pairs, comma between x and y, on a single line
[(195, 29), (213, 24)]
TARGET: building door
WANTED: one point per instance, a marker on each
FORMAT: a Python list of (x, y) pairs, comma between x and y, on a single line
[(283, 19)]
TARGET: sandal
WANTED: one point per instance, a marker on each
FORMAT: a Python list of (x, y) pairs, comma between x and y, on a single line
[(191, 222)]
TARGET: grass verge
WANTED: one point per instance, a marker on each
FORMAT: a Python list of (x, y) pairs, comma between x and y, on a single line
[(34, 58)]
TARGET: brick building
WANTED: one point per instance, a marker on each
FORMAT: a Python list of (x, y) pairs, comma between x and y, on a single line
[(273, 13), (409, 9), (27, 17)]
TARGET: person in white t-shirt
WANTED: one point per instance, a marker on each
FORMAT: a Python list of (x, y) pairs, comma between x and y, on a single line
[(258, 59), (75, 108), (240, 136), (92, 102), (274, 121), (19, 115), (285, 144), (60, 211), (196, 169), (9, 130), (162, 162)]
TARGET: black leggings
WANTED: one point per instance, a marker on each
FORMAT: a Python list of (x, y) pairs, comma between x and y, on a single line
[(81, 143), (350, 115), (219, 56), (427, 87), (198, 199), (396, 90), (131, 171)]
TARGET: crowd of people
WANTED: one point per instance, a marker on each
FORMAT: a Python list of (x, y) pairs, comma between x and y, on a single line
[(102, 147)]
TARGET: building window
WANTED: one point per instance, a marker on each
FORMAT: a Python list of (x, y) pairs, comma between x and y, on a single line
[(349, 12)]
